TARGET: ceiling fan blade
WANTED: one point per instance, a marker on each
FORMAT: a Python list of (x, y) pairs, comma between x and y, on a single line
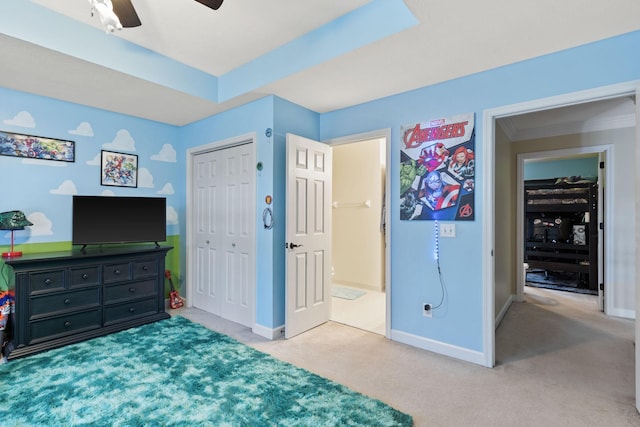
[(125, 11), (213, 4)]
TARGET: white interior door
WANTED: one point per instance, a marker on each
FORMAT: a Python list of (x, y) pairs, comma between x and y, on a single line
[(224, 233), (308, 235)]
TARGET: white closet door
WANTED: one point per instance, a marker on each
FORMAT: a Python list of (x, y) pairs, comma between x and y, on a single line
[(224, 233)]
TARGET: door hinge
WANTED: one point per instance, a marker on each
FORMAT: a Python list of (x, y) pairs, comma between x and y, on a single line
[(601, 165), (602, 286), (602, 226)]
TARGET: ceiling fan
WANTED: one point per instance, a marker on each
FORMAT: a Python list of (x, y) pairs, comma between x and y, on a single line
[(119, 14)]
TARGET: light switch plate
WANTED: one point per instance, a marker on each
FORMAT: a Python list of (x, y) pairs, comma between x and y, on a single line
[(448, 230)]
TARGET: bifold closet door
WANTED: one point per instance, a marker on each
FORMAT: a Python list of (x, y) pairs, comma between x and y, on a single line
[(224, 233)]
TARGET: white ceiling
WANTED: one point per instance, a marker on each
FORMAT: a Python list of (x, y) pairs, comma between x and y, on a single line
[(452, 39), (593, 116)]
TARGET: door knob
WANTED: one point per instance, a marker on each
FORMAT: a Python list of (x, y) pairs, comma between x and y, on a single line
[(291, 245)]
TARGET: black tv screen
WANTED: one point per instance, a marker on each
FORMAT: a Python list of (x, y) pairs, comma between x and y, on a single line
[(103, 219)]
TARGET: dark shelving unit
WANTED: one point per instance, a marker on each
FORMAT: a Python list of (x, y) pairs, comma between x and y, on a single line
[(561, 229)]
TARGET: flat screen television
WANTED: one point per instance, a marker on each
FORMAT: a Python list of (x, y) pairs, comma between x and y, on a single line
[(101, 220)]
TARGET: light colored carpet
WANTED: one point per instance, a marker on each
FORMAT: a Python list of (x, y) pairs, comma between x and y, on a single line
[(560, 362)]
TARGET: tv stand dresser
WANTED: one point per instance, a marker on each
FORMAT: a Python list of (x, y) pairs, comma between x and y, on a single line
[(68, 297)]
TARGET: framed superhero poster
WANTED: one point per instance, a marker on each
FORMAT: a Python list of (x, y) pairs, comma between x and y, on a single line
[(437, 169)]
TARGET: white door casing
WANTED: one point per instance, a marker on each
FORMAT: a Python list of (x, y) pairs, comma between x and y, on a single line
[(602, 184), (223, 233), (488, 233), (308, 235)]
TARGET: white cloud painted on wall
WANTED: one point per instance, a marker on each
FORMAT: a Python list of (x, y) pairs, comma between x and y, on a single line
[(122, 142), (95, 161), (42, 226), (166, 154), (66, 188), (172, 215), (23, 119), (145, 179), (167, 189), (83, 129)]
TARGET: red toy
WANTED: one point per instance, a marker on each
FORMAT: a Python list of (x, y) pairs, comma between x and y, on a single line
[(175, 301)]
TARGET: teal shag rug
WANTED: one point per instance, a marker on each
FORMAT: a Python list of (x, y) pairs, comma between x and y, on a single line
[(176, 373)]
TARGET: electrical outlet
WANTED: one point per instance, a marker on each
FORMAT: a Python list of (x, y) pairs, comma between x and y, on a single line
[(426, 309), (448, 230)]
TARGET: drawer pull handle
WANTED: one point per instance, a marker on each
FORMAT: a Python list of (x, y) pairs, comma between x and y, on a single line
[(48, 281), (85, 276), (67, 324), (132, 290), (67, 301), (145, 268), (132, 310), (116, 272)]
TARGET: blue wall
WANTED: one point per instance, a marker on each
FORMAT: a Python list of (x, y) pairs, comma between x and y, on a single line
[(45, 187), (414, 275), (280, 117)]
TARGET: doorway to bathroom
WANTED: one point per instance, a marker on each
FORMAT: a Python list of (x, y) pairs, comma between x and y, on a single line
[(358, 235)]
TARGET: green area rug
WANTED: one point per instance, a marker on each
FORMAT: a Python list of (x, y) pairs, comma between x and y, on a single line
[(176, 373)]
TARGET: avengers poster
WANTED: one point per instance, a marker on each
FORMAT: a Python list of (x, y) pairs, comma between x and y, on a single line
[(437, 169)]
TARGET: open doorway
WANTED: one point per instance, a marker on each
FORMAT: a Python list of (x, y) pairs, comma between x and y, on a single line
[(501, 250), (502, 201), (562, 209), (358, 235), (350, 315)]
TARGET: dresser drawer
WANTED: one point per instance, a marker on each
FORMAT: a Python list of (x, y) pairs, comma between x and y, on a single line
[(123, 312), (117, 272), (46, 281), (85, 276), (41, 330), (145, 268), (127, 291), (65, 301)]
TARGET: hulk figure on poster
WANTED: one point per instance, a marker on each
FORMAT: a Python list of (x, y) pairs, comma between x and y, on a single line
[(437, 169)]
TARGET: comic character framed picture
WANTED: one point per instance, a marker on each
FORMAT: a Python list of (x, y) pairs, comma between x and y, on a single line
[(36, 147), (118, 169)]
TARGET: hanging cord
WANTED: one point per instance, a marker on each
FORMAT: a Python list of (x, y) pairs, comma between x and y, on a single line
[(267, 218), (442, 286)]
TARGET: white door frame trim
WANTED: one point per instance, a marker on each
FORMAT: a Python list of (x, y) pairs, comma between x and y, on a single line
[(249, 138), (488, 164), (386, 135)]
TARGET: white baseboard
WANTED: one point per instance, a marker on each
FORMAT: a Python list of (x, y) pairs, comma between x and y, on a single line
[(456, 352), (504, 310), (268, 333), (621, 312)]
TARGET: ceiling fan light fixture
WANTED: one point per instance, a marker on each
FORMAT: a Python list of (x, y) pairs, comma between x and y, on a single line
[(108, 19), (212, 4), (119, 14)]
